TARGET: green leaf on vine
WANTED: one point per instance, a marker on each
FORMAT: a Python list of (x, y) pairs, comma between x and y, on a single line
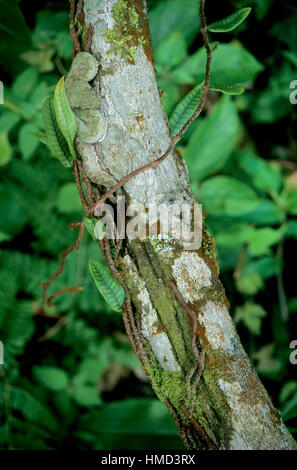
[(55, 139), (185, 108), (227, 89), (90, 226), (65, 116), (41, 136), (231, 22), (109, 288)]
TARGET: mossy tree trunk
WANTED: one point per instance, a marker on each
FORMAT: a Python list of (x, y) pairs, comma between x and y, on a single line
[(229, 407)]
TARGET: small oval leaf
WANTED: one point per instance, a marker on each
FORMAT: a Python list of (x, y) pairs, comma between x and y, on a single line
[(231, 22), (53, 378), (185, 109), (109, 288), (65, 116), (227, 89), (41, 136), (55, 139), (90, 226)]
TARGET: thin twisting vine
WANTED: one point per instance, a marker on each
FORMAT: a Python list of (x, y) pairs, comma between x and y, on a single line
[(180, 427), (77, 166), (75, 246), (210, 444), (90, 205), (153, 165), (198, 365), (73, 30)]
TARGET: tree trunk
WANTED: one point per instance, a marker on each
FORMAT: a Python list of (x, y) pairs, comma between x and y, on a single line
[(228, 408)]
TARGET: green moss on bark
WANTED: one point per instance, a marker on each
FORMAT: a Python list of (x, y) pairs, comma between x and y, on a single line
[(153, 273), (125, 35), (130, 30)]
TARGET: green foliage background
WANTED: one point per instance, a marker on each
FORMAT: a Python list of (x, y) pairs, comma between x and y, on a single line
[(70, 379)]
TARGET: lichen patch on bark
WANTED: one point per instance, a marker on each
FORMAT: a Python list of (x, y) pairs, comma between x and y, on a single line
[(218, 327), (191, 274), (247, 416), (151, 327)]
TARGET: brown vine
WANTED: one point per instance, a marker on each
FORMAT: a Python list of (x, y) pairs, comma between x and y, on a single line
[(89, 206), (177, 137)]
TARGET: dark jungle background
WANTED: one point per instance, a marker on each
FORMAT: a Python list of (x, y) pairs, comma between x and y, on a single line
[(69, 379)]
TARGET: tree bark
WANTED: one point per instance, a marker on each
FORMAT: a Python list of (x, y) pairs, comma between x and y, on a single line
[(229, 408)]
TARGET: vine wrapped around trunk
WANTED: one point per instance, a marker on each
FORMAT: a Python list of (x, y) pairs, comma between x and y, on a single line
[(176, 311)]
